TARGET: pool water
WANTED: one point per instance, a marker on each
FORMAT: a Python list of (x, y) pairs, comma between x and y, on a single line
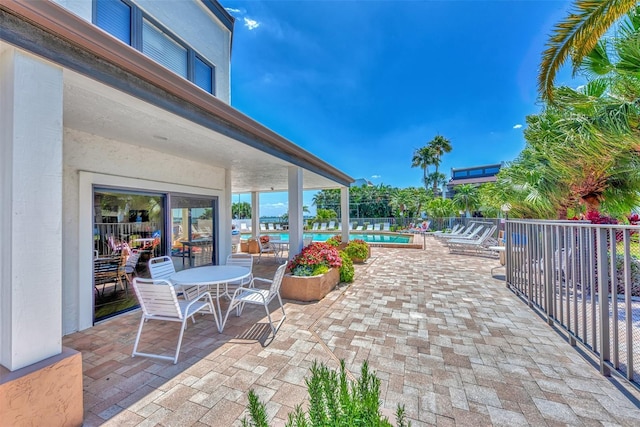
[(369, 238)]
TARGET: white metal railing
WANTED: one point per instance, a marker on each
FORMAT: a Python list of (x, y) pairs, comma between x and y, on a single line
[(585, 278)]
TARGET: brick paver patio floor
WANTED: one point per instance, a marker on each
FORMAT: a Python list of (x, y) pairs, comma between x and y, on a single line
[(447, 340)]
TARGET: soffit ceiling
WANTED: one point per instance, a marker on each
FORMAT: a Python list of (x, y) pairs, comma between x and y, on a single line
[(97, 109)]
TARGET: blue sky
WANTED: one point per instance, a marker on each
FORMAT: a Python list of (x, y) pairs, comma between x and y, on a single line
[(362, 84)]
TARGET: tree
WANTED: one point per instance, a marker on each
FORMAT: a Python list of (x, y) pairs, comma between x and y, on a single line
[(439, 145), (438, 179), (577, 35), (441, 208), (466, 198), (241, 210), (423, 158)]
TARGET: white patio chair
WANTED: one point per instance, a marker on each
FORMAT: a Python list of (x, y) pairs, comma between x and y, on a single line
[(258, 296), (332, 225), (161, 267), (323, 226), (263, 227), (132, 262), (386, 226), (243, 227), (243, 260), (266, 248), (369, 227), (315, 227), (159, 301)]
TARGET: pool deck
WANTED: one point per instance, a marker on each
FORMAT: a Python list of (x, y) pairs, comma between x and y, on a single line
[(447, 340)]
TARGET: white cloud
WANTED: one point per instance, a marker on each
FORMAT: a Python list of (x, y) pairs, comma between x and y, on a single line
[(376, 176), (231, 10), (518, 126), (251, 24)]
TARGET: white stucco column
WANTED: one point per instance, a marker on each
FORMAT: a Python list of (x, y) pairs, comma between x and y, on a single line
[(30, 210), (255, 214), (344, 208), (225, 219), (295, 210)]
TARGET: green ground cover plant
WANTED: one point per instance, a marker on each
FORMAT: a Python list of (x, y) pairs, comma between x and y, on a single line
[(333, 401)]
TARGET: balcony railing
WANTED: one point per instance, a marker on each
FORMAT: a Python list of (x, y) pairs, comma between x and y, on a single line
[(585, 279)]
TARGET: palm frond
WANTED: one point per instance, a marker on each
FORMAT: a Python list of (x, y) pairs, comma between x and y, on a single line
[(577, 36)]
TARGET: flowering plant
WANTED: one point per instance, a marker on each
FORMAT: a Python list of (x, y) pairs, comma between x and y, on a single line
[(315, 259), (334, 240), (264, 239)]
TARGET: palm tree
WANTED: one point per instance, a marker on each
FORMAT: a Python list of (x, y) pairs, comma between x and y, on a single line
[(577, 35), (438, 179), (466, 197), (439, 145), (423, 158)]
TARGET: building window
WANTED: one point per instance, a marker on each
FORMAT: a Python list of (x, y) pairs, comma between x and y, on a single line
[(475, 172), (203, 75), (115, 18), (492, 171), (163, 49), (128, 23), (460, 174)]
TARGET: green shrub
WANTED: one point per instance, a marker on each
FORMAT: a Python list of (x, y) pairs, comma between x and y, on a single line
[(334, 241), (347, 272), (333, 401), (357, 248)]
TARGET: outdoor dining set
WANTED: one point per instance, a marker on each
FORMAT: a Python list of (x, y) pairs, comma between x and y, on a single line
[(178, 296)]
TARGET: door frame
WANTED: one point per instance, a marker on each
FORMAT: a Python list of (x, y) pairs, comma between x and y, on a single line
[(87, 182)]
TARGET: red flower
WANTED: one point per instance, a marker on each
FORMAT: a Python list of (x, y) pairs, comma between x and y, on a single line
[(317, 253)]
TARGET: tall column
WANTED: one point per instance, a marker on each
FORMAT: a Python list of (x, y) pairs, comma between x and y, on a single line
[(344, 207), (255, 214), (30, 210), (295, 210)]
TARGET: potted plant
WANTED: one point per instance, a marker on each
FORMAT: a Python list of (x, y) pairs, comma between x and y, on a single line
[(358, 250), (313, 273)]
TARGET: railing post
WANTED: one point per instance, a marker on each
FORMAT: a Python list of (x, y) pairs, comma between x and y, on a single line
[(508, 278), (603, 299), (548, 272)]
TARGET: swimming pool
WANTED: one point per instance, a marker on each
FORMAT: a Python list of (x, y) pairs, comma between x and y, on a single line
[(369, 238)]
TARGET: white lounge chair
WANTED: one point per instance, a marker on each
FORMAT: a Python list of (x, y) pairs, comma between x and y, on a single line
[(159, 301), (369, 227), (315, 227), (323, 226), (243, 227), (263, 227), (332, 225), (258, 296), (386, 226), (470, 231), (359, 228), (477, 245)]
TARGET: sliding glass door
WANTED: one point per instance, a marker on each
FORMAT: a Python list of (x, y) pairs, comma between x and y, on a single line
[(128, 230), (193, 231)]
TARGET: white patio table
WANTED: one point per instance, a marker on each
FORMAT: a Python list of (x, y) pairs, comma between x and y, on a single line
[(209, 276), (280, 246)]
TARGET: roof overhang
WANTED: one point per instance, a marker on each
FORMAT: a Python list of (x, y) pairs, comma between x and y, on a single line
[(116, 92)]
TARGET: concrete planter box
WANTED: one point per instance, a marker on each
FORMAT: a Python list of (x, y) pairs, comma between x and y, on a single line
[(311, 288)]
